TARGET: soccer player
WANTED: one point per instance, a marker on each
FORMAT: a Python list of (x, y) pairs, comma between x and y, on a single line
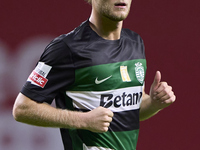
[(96, 75)]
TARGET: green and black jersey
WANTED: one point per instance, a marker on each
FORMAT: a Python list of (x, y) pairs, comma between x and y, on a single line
[(82, 71)]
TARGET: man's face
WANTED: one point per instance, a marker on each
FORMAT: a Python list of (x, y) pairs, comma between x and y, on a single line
[(116, 10)]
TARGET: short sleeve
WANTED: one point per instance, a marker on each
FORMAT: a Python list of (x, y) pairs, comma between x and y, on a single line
[(53, 73)]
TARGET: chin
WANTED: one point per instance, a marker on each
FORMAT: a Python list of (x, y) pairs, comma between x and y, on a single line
[(117, 18), (120, 17)]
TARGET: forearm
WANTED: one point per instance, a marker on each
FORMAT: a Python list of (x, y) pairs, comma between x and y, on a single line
[(147, 110), (42, 114), (161, 96)]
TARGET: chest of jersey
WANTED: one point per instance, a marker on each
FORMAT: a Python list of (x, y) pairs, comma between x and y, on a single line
[(106, 52), (108, 74), (117, 86)]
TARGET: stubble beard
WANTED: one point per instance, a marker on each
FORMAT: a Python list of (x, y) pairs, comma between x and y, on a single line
[(114, 16)]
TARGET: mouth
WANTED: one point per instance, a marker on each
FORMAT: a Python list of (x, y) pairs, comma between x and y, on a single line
[(120, 4)]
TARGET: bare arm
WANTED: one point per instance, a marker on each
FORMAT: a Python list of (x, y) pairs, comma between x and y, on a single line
[(41, 114), (161, 96), (146, 108)]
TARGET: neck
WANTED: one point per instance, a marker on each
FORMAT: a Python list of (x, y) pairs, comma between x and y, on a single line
[(106, 28)]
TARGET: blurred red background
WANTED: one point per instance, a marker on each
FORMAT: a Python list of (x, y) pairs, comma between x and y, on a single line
[(171, 33)]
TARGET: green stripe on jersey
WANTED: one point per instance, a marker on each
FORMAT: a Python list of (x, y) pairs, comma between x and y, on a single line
[(126, 140), (110, 76)]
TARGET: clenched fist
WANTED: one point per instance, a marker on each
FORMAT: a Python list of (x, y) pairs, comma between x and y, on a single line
[(98, 119)]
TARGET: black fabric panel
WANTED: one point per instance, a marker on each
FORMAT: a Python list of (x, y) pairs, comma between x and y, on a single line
[(67, 141), (123, 121), (89, 49)]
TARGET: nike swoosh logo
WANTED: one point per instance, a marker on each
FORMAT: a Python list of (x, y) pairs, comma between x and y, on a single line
[(100, 81)]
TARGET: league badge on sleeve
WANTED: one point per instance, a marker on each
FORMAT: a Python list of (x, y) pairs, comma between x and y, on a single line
[(39, 74)]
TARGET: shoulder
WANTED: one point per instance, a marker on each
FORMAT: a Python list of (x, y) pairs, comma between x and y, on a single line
[(56, 52), (64, 40), (78, 35), (61, 48), (131, 35)]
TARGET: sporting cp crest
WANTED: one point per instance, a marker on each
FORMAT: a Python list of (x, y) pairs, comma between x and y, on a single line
[(139, 72)]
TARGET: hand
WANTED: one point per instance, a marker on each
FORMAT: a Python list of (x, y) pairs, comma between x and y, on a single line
[(98, 119), (161, 93)]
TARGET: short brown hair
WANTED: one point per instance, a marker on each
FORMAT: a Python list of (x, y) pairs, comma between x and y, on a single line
[(89, 1)]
